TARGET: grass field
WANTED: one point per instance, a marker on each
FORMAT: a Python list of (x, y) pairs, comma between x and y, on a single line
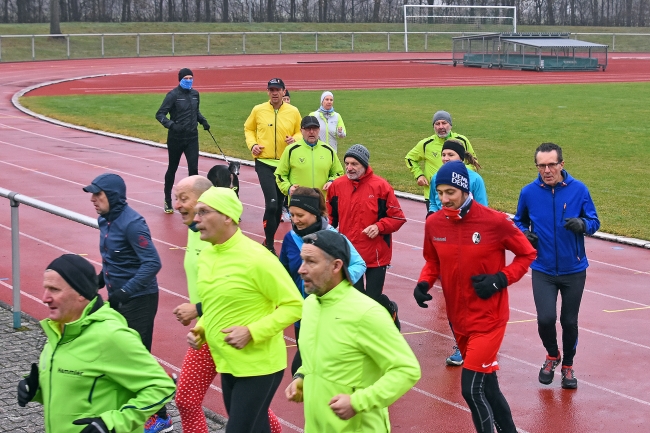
[(46, 48), (602, 128)]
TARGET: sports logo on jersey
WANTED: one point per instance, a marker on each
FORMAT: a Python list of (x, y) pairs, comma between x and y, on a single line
[(435, 154), (302, 160), (476, 237)]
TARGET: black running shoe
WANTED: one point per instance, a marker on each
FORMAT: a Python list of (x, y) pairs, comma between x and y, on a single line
[(547, 371), (569, 380), (168, 207)]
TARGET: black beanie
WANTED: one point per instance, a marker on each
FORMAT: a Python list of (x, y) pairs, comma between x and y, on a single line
[(456, 146), (78, 272), (183, 72)]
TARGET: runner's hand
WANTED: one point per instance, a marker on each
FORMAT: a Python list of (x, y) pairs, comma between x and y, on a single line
[(421, 294), (196, 337), (256, 150), (185, 313), (28, 386), (576, 225), (206, 125), (294, 390), (237, 336), (487, 285), (93, 425), (422, 180), (532, 238), (342, 406)]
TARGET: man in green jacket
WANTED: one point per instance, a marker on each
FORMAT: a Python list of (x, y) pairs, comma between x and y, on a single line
[(429, 150), (94, 374), (355, 363), (248, 299), (308, 162)]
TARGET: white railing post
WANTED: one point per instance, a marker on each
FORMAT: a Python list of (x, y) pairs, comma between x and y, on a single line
[(33, 49), (102, 45), (137, 45), (67, 41), (15, 259)]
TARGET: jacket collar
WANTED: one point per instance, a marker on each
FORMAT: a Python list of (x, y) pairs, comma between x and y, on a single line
[(338, 293), (566, 181), (73, 329), (234, 240)]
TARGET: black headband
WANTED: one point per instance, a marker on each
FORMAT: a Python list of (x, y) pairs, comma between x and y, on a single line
[(310, 204), (456, 147), (78, 272)]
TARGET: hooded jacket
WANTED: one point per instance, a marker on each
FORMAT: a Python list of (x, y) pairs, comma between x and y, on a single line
[(329, 127), (542, 209), (429, 150), (353, 205), (456, 250), (183, 108), (269, 128), (129, 258), (350, 345), (306, 165), (98, 367)]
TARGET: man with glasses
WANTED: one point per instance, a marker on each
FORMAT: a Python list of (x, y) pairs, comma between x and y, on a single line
[(355, 363), (308, 162), (248, 299), (269, 129), (555, 211)]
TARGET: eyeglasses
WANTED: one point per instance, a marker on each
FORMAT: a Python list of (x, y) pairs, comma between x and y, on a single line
[(203, 212), (551, 166)]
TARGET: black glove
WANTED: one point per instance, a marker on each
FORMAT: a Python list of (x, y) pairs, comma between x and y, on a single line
[(174, 127), (421, 295), (100, 280), (576, 225), (206, 125), (93, 425), (119, 297), (532, 238), (28, 386), (487, 285)]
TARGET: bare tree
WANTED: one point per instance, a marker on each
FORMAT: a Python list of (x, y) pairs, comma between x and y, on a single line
[(55, 17)]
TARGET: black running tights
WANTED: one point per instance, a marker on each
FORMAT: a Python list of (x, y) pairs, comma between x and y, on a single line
[(273, 199), (374, 286), (488, 406), (247, 401), (175, 149), (545, 290)]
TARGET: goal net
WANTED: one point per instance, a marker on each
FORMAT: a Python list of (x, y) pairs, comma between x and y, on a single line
[(458, 19)]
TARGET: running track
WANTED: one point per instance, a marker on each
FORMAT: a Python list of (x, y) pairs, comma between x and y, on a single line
[(53, 163)]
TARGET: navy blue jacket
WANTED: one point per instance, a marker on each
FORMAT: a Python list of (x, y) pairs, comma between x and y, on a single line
[(129, 258), (542, 209)]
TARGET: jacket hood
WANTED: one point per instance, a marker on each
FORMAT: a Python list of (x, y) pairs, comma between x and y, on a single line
[(115, 190), (565, 174)]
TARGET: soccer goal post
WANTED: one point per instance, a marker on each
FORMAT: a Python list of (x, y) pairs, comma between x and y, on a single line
[(458, 19)]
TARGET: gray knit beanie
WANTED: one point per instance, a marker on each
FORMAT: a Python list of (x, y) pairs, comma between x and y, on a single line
[(360, 153), (442, 115)]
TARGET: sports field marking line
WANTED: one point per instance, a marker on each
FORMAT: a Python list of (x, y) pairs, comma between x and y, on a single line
[(522, 321), (636, 271), (618, 299), (626, 309)]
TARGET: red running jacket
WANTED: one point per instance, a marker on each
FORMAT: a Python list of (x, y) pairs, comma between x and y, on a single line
[(455, 250), (353, 205)]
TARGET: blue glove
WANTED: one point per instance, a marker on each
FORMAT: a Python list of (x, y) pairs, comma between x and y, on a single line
[(93, 425), (487, 285), (28, 386), (421, 295)]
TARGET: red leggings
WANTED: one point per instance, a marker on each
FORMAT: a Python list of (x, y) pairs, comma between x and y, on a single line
[(197, 373)]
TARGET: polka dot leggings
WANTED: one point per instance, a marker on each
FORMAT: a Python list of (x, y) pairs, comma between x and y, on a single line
[(197, 373)]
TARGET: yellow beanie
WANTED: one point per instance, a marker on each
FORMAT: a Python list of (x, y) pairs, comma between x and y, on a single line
[(224, 200)]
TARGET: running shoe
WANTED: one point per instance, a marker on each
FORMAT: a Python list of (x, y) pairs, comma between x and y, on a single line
[(286, 216), (156, 424), (569, 380), (455, 359), (168, 207), (547, 371)]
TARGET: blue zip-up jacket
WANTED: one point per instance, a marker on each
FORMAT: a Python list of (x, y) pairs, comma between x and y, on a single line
[(476, 187), (290, 258), (542, 209), (129, 258)]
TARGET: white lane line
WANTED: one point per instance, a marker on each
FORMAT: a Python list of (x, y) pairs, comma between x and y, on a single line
[(636, 271)]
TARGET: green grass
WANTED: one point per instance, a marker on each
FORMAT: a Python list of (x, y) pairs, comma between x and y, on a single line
[(602, 128), (46, 48)]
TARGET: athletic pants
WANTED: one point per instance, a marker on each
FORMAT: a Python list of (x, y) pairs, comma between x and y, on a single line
[(176, 147), (197, 373), (140, 313), (486, 402), (273, 199), (374, 285), (545, 290), (247, 401)]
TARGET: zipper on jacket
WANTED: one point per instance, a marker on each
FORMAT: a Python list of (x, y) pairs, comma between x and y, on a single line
[(275, 133), (555, 234), (92, 388), (313, 174)]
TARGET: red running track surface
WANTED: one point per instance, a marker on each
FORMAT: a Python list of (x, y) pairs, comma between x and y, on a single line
[(52, 163)]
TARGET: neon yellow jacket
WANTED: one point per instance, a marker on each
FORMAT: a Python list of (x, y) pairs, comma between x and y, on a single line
[(269, 128), (240, 283), (98, 367), (305, 165), (429, 150), (194, 246), (350, 345)]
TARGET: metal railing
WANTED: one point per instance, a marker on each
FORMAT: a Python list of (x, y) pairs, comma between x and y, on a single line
[(15, 199), (100, 45)]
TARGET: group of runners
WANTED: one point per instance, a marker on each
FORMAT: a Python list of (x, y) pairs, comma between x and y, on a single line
[(327, 281)]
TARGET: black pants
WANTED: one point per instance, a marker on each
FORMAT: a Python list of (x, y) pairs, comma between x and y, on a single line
[(247, 401), (545, 290), (486, 402), (140, 313), (273, 199), (297, 359), (176, 147), (375, 278)]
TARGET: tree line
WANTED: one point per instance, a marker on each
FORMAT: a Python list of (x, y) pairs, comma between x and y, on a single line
[(623, 13)]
